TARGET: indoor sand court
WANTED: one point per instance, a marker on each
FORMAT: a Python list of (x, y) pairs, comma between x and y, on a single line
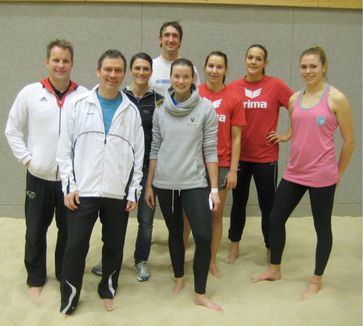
[(151, 303)]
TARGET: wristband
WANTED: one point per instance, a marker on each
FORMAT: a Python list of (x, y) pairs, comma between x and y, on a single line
[(214, 190)]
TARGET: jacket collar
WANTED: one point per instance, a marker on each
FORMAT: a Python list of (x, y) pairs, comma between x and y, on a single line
[(46, 84), (49, 87), (92, 98)]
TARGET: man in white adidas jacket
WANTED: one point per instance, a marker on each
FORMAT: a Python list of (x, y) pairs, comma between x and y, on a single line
[(100, 158), (35, 122)]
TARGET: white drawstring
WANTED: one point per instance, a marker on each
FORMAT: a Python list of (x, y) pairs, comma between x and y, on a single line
[(172, 199)]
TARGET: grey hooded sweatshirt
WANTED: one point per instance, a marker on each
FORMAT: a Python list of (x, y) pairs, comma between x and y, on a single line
[(184, 139)]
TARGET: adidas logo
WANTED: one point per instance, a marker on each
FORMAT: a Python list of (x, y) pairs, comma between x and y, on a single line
[(43, 99)]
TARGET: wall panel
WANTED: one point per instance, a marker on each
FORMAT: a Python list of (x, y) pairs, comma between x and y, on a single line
[(94, 27)]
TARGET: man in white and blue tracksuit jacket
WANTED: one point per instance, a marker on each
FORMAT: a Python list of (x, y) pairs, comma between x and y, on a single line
[(100, 159), (35, 123)]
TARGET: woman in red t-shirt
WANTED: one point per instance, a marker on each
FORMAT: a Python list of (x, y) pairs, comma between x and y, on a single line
[(231, 118), (261, 96)]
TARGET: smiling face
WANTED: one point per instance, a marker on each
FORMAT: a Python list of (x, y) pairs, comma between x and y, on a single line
[(140, 72), (181, 79), (255, 62), (59, 65), (111, 75), (312, 70), (170, 40), (215, 70)]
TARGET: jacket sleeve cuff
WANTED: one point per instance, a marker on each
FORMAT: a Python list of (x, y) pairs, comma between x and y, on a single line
[(26, 159), (134, 194), (67, 188)]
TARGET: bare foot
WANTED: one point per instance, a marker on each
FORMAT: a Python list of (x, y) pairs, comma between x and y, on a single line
[(203, 300), (179, 285), (269, 275), (34, 291), (312, 288), (215, 271), (108, 303), (233, 252)]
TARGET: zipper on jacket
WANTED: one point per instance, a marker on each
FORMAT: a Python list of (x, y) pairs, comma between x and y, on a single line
[(60, 103), (50, 88)]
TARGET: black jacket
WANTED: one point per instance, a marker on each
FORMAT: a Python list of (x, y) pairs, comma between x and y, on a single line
[(146, 106)]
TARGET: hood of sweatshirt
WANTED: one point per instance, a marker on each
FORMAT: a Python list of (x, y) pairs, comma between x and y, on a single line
[(183, 108)]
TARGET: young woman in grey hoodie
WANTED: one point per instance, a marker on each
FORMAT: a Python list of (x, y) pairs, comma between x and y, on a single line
[(185, 144)]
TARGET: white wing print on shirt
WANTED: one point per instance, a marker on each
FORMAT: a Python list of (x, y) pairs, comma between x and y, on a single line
[(217, 103), (253, 94)]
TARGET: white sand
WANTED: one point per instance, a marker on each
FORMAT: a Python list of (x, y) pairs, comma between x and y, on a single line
[(151, 303)]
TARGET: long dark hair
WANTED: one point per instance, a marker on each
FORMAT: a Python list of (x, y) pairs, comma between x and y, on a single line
[(264, 51), (218, 54)]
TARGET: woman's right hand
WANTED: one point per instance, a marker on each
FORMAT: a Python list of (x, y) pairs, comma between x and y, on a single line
[(149, 197)]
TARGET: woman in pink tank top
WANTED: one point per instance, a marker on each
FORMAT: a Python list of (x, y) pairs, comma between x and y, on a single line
[(315, 113)]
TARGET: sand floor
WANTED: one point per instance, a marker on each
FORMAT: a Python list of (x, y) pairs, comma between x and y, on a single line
[(152, 303)]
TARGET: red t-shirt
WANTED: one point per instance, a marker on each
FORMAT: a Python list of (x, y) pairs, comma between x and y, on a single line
[(261, 101), (230, 113)]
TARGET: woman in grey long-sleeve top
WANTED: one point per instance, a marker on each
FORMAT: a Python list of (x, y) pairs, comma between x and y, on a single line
[(184, 144)]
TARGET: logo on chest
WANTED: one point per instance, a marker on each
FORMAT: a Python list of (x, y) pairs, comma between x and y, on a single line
[(253, 104), (320, 120), (217, 103), (192, 122)]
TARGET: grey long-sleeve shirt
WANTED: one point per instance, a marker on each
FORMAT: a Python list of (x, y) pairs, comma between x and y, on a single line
[(184, 140)]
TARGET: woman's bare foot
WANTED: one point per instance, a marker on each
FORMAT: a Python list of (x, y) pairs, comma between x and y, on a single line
[(215, 271), (203, 300), (233, 252), (108, 303), (312, 288), (34, 291), (272, 274), (179, 285)]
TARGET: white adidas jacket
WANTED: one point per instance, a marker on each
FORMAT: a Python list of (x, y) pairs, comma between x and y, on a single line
[(99, 165), (35, 122)]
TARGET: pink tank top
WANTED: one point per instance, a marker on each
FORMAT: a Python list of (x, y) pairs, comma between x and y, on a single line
[(312, 159)]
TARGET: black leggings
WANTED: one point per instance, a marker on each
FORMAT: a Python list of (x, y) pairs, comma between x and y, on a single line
[(195, 204), (287, 196), (265, 177)]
